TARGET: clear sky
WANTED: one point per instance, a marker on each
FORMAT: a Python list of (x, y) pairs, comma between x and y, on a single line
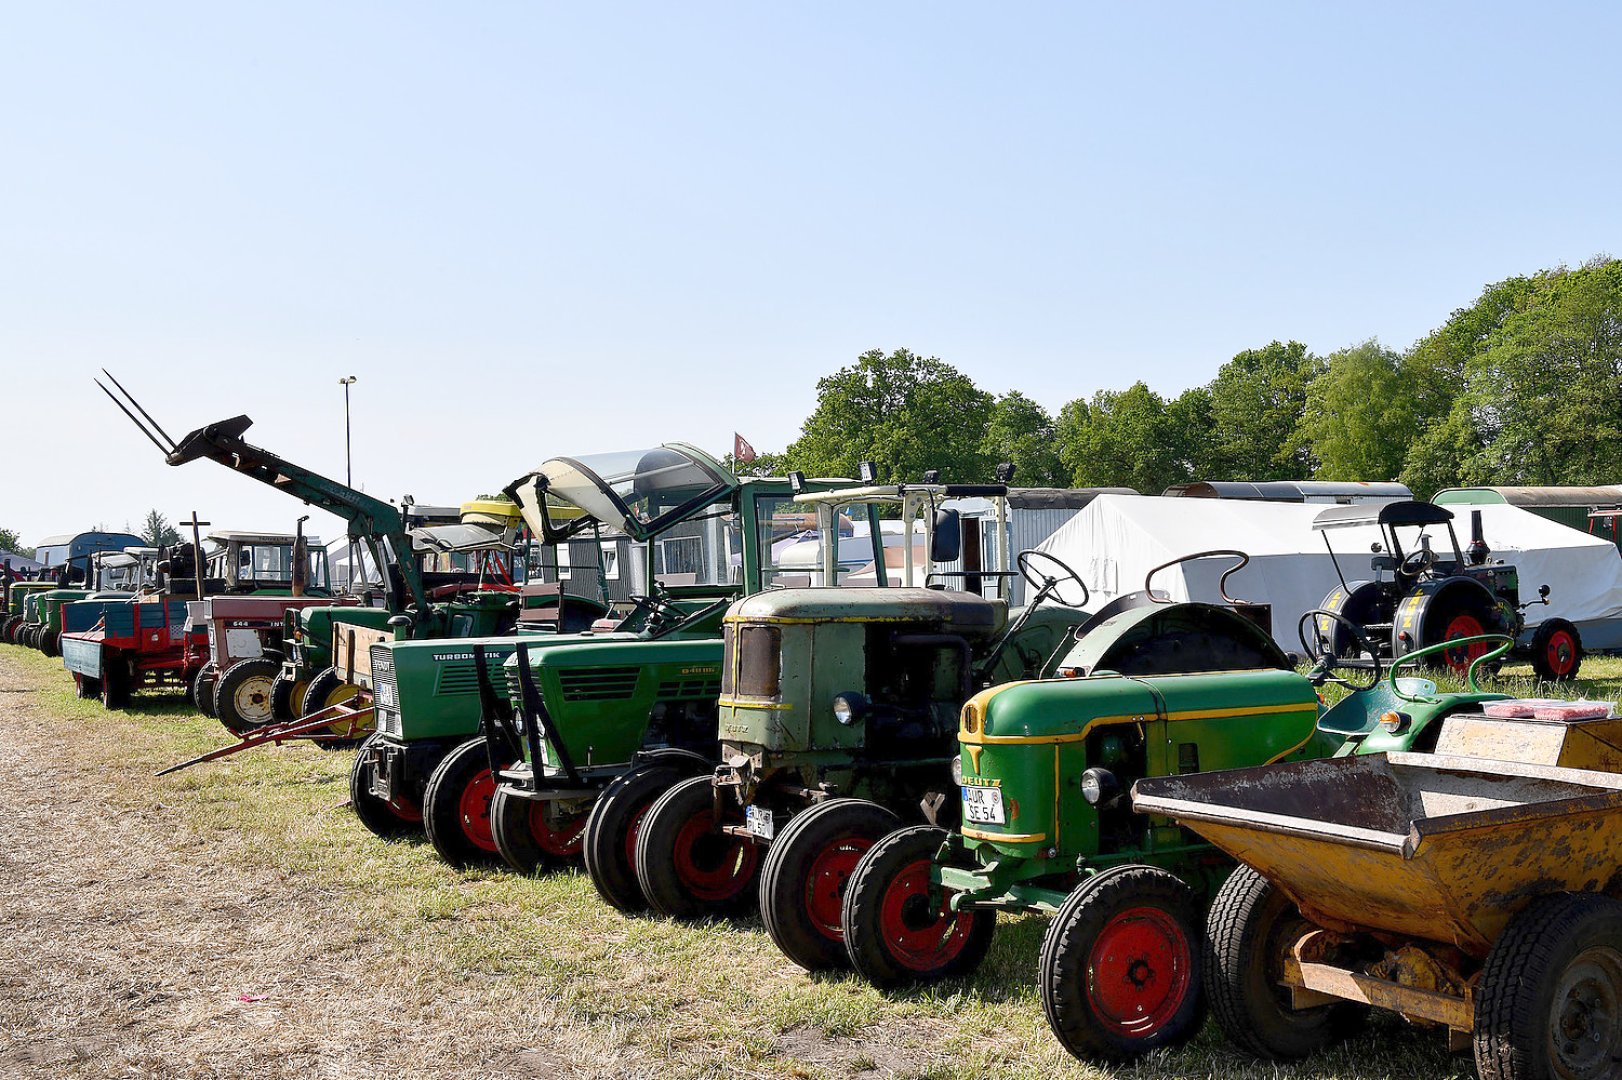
[(533, 229)]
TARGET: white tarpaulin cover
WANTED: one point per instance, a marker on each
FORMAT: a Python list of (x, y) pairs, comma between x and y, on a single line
[(1116, 539)]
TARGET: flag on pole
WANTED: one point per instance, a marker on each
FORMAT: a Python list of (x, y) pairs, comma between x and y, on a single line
[(741, 450)]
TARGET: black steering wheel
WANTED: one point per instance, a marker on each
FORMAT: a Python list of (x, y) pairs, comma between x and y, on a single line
[(1049, 586), (1325, 660), (1417, 561), (657, 607)]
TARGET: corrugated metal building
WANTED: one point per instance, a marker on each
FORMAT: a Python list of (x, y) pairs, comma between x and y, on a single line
[(1292, 491)]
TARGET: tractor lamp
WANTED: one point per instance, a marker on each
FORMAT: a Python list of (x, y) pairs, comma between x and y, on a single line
[(1100, 788), (1394, 722), (849, 708), (957, 770)]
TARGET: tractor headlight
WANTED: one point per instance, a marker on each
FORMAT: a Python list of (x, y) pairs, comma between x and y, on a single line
[(957, 770), (849, 708), (1099, 787)]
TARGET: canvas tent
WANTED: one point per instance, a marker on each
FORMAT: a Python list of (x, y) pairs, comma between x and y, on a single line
[(1116, 540)]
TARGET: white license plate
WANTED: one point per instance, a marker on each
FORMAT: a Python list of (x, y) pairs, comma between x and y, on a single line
[(385, 696), (983, 805), (759, 821)]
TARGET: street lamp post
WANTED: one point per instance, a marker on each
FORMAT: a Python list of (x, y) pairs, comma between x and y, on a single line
[(349, 468)]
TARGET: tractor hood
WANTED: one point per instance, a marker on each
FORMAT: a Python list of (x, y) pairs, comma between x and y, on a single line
[(639, 492)]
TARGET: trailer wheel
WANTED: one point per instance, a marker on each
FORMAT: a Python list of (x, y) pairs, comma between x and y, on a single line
[(1557, 650), (686, 865), (286, 695), (611, 831), (242, 694), (456, 806), (86, 687), (805, 874), (385, 819), (115, 683), (327, 688), (1249, 927), (895, 932), (534, 835), (49, 642), (1549, 1003), (202, 688)]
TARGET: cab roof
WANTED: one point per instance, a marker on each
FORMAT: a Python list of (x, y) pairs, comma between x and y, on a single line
[(1402, 512)]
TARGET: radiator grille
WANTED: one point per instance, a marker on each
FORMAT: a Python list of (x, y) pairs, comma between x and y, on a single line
[(699, 689), (599, 684)]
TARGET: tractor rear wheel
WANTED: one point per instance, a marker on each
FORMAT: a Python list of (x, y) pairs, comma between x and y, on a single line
[(242, 695), (86, 687), (535, 834), (803, 880), (386, 819), (686, 865), (115, 683), (202, 688), (7, 624), (1249, 930), (1120, 970), (894, 934), (327, 688), (1557, 650), (287, 695), (456, 806), (1549, 1003), (1458, 618), (611, 831)]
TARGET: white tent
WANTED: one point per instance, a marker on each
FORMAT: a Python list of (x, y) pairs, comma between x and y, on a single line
[(1115, 541)]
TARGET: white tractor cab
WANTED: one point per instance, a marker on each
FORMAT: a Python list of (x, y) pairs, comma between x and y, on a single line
[(246, 561), (129, 571)]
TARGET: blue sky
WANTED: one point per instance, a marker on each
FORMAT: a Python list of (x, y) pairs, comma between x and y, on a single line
[(532, 229)]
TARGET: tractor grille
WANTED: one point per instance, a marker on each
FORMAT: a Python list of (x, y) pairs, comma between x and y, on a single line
[(385, 693), (699, 689), (458, 679), (599, 684)]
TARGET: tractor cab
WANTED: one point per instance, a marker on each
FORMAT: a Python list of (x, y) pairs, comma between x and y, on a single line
[(247, 562)]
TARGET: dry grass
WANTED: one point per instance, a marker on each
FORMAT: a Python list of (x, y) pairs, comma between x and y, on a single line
[(236, 920)]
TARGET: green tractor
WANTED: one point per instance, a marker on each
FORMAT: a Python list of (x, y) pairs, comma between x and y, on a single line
[(22, 622), (460, 729), (1047, 825)]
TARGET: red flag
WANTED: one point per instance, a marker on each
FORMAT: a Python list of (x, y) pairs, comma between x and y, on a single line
[(741, 450)]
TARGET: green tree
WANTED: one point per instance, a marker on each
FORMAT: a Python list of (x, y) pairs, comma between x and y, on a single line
[(1360, 413), (1257, 400), (1021, 431), (157, 532), (904, 412), (1124, 438), (12, 542)]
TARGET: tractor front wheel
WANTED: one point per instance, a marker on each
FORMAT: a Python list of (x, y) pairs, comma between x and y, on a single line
[(1120, 969), (1557, 650), (456, 806), (202, 688), (50, 642), (386, 819), (807, 868), (686, 865), (242, 695), (287, 695), (535, 834), (896, 932), (327, 688), (611, 831)]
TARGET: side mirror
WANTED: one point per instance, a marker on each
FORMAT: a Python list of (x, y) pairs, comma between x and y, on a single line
[(947, 543)]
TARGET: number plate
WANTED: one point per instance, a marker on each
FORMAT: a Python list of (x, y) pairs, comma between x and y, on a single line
[(385, 696), (759, 821), (983, 805)]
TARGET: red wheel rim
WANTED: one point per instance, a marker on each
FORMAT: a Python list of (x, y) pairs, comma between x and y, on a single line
[(714, 866), (918, 935), (1463, 626), (825, 886), (1562, 654), (1139, 972), (405, 811), (562, 841), (633, 827), (474, 810)]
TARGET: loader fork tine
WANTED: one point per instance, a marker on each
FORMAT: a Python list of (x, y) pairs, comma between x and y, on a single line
[(163, 449), (142, 411)]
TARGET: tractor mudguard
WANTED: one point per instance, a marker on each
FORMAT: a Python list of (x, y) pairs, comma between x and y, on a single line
[(1426, 614), (1164, 639)]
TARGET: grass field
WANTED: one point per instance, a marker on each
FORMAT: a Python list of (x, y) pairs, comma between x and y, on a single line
[(515, 976)]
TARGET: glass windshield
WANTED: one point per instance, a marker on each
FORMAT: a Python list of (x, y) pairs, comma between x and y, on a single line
[(636, 491), (706, 550)]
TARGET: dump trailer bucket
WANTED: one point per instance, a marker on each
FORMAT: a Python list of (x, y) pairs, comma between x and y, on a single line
[(1427, 846)]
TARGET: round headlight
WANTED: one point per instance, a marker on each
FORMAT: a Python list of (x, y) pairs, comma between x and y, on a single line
[(1394, 722), (1099, 787), (845, 710), (957, 770)]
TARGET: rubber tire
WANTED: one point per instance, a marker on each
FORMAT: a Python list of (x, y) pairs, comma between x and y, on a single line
[(442, 805), (251, 677), (202, 688), (1065, 972), (115, 684), (610, 837), (852, 826), (1438, 621), (1249, 1007), (512, 822), (656, 869), (866, 943), (324, 686), (85, 687), (1541, 637), (377, 815), (49, 642), (286, 696), (1515, 996), (7, 625)]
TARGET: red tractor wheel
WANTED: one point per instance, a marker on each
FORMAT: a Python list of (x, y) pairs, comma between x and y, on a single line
[(535, 834), (1557, 650), (611, 832), (456, 806), (686, 865), (896, 932), (384, 818)]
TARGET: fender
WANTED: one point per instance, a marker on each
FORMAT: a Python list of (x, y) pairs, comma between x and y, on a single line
[(1418, 619)]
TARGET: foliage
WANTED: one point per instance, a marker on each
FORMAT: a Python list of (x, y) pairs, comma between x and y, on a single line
[(12, 542), (1257, 399), (157, 532), (1021, 431), (1126, 438), (1359, 414)]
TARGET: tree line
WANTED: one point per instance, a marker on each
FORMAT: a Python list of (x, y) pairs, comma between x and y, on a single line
[(1524, 386)]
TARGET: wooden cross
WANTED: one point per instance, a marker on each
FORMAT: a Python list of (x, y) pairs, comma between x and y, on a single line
[(197, 549)]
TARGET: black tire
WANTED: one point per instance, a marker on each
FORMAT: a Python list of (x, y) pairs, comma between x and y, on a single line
[(1549, 1002), (611, 832), (202, 688), (456, 806), (327, 688), (86, 687), (382, 818), (287, 695), (1120, 969), (50, 641), (688, 868), (535, 835), (1557, 650), (115, 683), (7, 625), (1458, 616), (1247, 930), (807, 868), (30, 636), (893, 936), (242, 695)]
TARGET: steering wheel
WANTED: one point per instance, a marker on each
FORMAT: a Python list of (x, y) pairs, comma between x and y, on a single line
[(657, 607), (1417, 561), (1325, 659), (1049, 586)]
